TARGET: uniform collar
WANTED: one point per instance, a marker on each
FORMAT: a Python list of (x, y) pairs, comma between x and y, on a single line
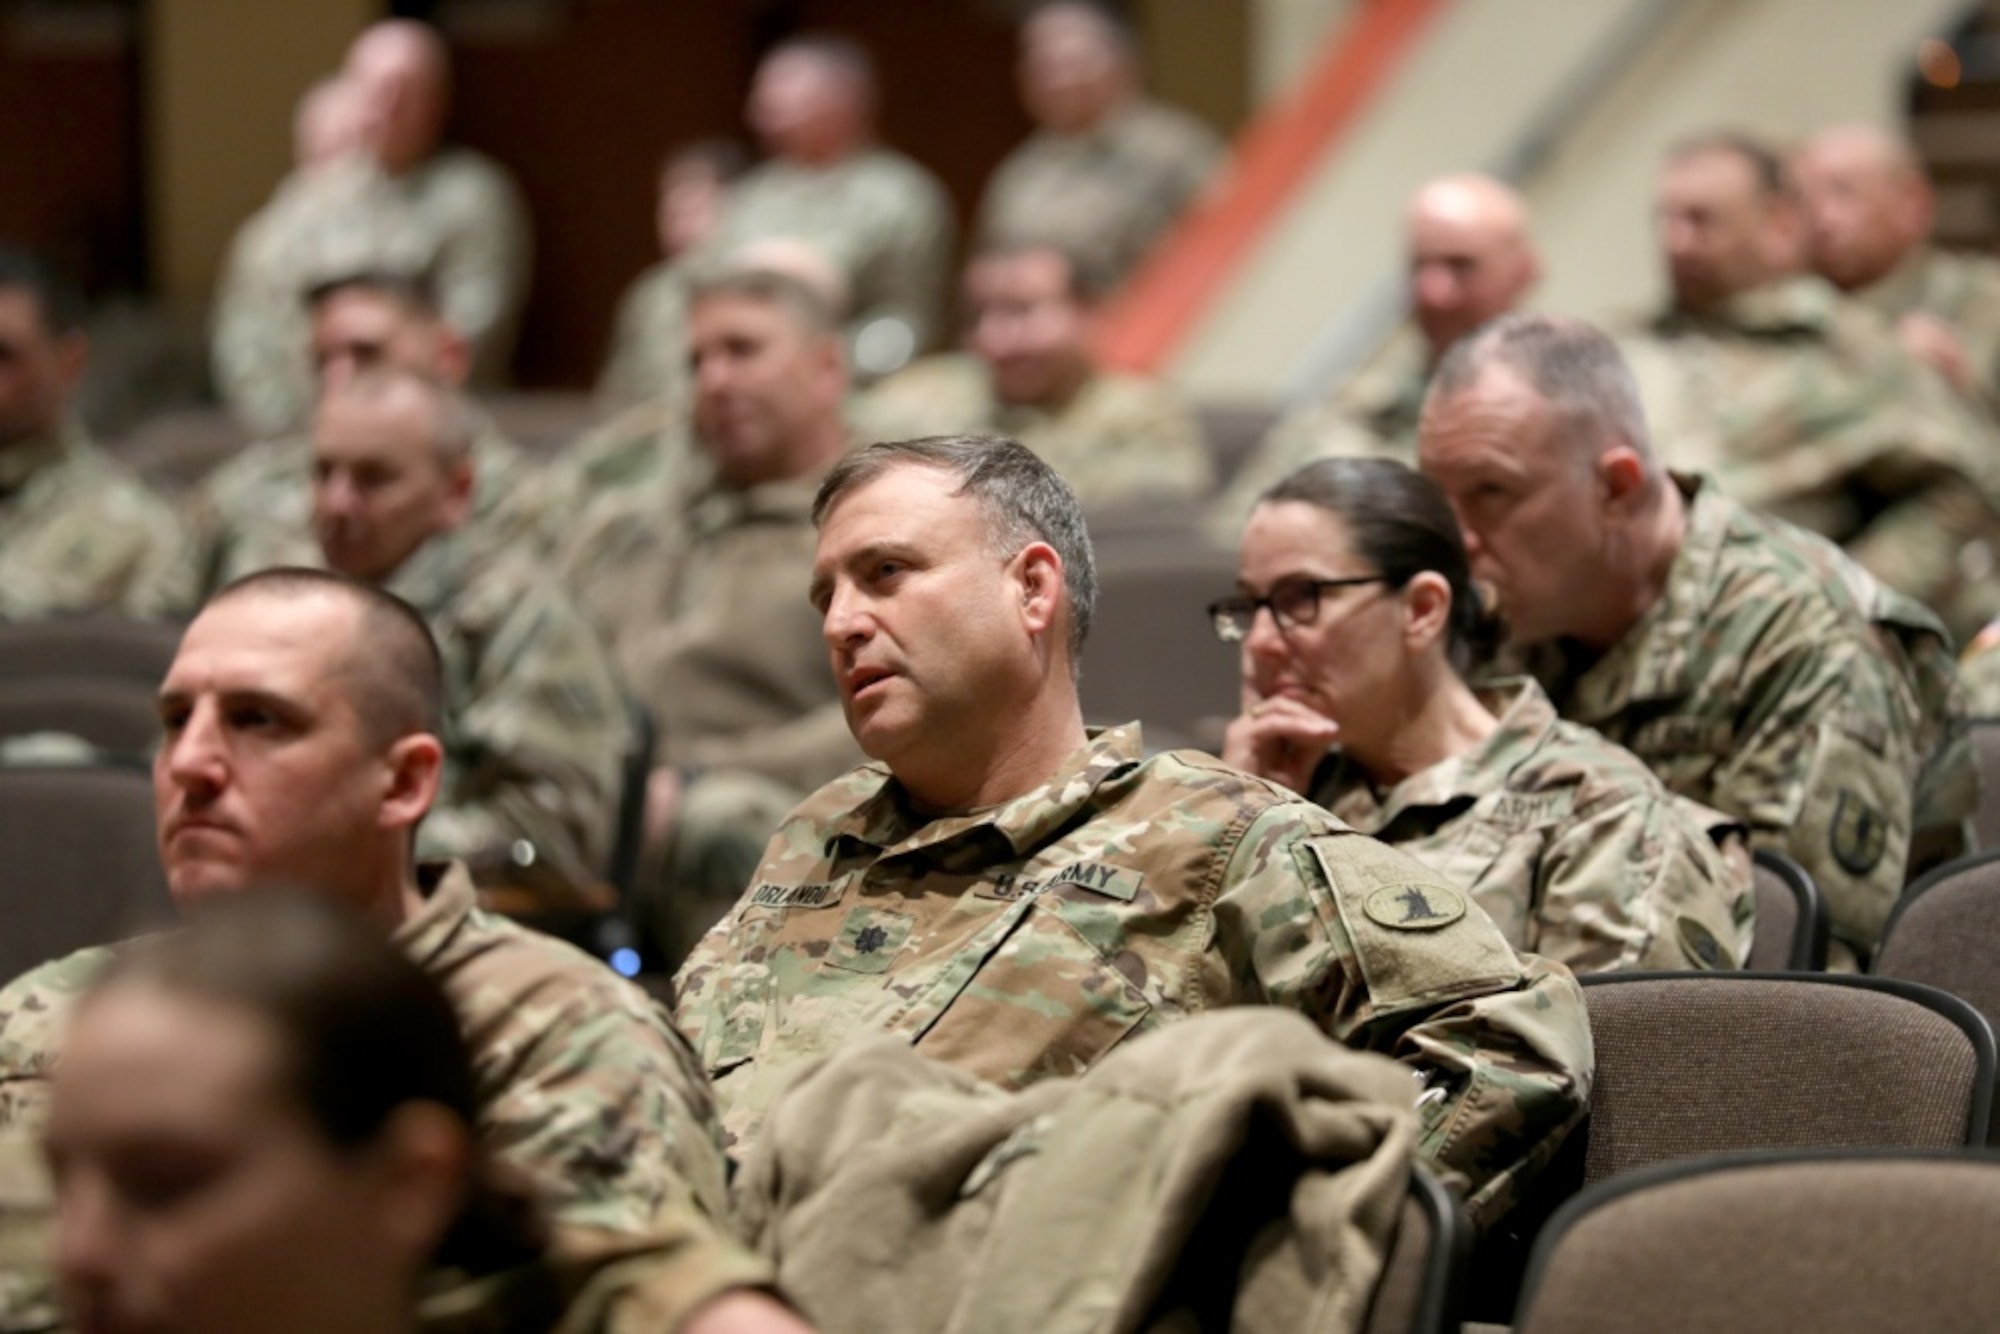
[(1902, 288), (1525, 715), (1799, 305), (890, 826), (449, 901), (433, 575), (21, 462)]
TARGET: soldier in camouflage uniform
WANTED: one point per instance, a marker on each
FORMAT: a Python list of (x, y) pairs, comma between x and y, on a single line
[(1015, 897), (696, 579), (882, 218), (300, 748), (1028, 373), (255, 511), (407, 206), (1107, 170), (536, 722), (1748, 664), (1802, 404), (1471, 260), (77, 533), (1869, 210), (650, 328), (1354, 695)]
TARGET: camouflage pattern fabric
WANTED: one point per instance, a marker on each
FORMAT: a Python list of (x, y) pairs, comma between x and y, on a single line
[(882, 218), (1121, 440), (1758, 685), (78, 533), (1028, 940), (1804, 406), (1981, 673), (583, 1085), (1374, 415), (457, 220), (1961, 290), (1106, 195), (1573, 847), (255, 511), (700, 590), (648, 355), (536, 724)]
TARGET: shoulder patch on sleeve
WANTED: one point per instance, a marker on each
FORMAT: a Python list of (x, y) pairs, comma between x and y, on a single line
[(1417, 940)]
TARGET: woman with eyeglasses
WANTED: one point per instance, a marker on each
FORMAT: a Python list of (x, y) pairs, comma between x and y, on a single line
[(1358, 623)]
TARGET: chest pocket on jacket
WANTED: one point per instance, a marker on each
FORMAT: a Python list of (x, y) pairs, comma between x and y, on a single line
[(1044, 1001)]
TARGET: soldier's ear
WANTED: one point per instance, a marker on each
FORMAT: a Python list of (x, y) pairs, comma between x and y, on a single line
[(1426, 609), (415, 769), (1040, 574), (1621, 477)]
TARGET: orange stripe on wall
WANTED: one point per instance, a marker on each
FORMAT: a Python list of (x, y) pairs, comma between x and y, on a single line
[(1189, 269)]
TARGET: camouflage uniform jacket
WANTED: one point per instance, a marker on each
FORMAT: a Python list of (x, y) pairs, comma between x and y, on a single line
[(535, 722), (1572, 846), (583, 1084), (1803, 405), (1961, 290), (1757, 684), (647, 358), (1108, 193), (882, 218), (1121, 439), (1374, 415), (1027, 940), (700, 588), (78, 533), (255, 511)]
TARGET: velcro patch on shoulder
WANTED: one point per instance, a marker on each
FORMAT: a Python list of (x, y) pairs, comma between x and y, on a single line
[(1416, 939)]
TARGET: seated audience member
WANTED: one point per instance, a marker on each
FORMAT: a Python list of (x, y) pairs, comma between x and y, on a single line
[(1108, 169), (1470, 260), (1801, 403), (77, 532), (254, 512), (259, 323), (300, 746), (1748, 664), (696, 582), (1028, 372), (535, 721), (650, 328), (1016, 897), (1869, 210), (1359, 621), (266, 1119), (881, 217)]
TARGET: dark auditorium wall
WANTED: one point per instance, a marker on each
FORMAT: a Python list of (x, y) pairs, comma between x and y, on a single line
[(69, 136), (582, 104)]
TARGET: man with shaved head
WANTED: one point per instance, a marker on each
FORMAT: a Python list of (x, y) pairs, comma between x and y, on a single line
[(1802, 404), (1471, 260), (300, 747), (1753, 667), (1869, 212), (1108, 169)]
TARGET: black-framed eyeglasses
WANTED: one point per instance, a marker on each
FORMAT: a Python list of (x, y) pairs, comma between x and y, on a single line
[(1293, 603)]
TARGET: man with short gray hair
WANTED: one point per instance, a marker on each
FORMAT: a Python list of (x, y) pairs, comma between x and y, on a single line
[(536, 722), (1016, 897), (1752, 666)]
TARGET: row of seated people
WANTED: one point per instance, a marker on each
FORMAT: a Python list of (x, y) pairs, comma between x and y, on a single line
[(375, 186), (1017, 898)]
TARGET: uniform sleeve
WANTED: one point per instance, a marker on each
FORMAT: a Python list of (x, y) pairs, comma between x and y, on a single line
[(1823, 770), (33, 1010), (910, 270), (1386, 957), (1631, 880), (482, 270), (543, 730), (1155, 452)]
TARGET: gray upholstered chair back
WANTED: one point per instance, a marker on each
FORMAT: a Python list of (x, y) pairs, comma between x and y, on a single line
[(1791, 916)]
